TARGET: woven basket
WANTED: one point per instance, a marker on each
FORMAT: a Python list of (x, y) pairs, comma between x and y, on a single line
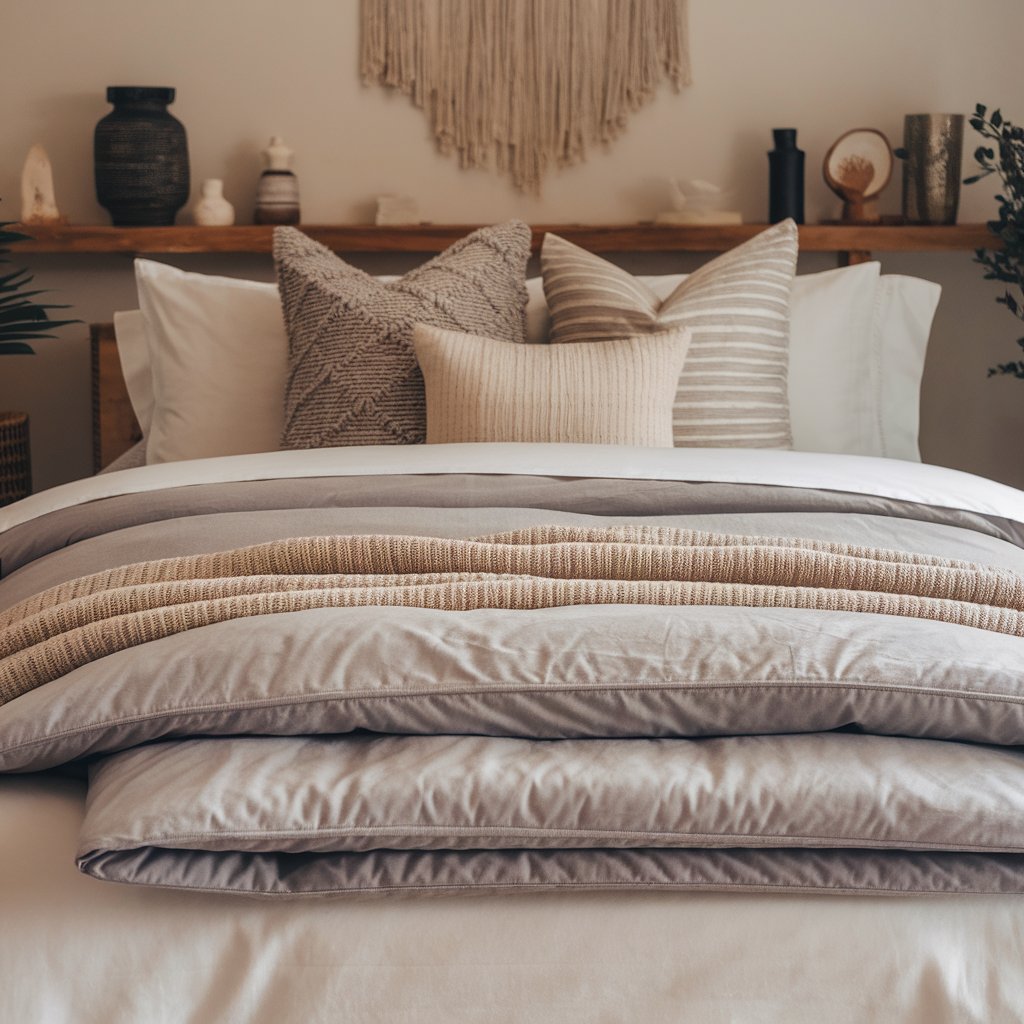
[(15, 462)]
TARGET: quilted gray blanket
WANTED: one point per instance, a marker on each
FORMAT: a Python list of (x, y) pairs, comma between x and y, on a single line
[(772, 745)]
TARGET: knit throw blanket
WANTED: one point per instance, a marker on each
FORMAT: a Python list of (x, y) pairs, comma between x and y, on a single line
[(77, 622)]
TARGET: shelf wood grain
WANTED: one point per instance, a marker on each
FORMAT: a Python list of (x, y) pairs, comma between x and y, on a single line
[(432, 238)]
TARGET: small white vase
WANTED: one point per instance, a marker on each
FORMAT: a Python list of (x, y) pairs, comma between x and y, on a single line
[(213, 210)]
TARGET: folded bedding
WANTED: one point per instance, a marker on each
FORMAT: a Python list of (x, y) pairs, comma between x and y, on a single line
[(354, 674)]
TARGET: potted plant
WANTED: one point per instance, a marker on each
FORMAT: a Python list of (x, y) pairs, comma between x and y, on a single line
[(1003, 155), (22, 320)]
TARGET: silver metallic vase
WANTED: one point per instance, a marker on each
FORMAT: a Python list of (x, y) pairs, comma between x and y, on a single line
[(931, 171)]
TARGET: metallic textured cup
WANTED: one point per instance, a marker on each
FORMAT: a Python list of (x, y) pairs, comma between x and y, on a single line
[(931, 171)]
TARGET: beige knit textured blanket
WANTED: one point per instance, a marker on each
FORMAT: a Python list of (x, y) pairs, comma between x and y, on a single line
[(85, 619)]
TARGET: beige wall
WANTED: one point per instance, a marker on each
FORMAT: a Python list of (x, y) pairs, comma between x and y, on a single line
[(247, 68)]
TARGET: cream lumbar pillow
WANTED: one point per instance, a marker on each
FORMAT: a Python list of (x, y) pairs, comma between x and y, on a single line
[(616, 392), (733, 390)]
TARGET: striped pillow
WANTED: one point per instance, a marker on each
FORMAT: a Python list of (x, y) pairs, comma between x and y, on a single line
[(617, 392), (732, 392)]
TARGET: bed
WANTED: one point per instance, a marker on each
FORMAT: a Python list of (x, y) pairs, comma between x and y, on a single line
[(513, 731)]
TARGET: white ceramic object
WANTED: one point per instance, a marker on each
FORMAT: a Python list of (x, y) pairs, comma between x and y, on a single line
[(212, 209), (38, 203), (277, 156), (698, 202), (398, 210)]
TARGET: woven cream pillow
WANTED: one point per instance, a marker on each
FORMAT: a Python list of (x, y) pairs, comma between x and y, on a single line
[(617, 392), (733, 391)]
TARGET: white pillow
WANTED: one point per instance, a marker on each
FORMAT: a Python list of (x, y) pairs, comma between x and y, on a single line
[(904, 310), (538, 317), (218, 358), (133, 352), (857, 349), (835, 404), (856, 356)]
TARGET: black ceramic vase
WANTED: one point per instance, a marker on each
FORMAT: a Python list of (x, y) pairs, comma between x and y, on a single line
[(141, 156), (786, 178)]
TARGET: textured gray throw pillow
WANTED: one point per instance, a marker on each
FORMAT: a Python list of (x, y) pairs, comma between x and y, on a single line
[(353, 377)]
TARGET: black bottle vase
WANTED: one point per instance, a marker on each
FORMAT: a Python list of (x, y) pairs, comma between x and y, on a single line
[(785, 177), (141, 157)]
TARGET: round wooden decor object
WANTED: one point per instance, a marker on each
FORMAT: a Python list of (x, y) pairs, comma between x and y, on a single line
[(857, 167)]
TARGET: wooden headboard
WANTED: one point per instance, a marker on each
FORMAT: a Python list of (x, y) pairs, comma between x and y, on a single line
[(114, 426)]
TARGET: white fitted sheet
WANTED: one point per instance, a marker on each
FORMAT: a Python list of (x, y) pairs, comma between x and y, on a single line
[(76, 950)]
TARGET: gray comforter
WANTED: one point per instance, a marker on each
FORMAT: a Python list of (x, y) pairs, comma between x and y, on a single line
[(378, 750)]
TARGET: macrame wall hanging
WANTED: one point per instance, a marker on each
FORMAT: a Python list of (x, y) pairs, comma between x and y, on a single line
[(525, 85)]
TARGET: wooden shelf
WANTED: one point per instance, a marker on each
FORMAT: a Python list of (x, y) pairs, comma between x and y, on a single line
[(856, 240)]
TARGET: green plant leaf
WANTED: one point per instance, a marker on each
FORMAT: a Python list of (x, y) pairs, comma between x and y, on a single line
[(17, 278), (34, 335), (11, 318), (1005, 158), (5, 286), (1015, 369), (21, 296), (30, 315), (22, 318)]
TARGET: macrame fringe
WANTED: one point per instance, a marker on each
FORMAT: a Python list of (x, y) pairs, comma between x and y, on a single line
[(525, 85)]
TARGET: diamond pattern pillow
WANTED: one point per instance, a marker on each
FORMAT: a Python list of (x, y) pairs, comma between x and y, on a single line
[(353, 377), (733, 391)]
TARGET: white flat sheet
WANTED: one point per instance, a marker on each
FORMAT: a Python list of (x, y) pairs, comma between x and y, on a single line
[(862, 474), (80, 951)]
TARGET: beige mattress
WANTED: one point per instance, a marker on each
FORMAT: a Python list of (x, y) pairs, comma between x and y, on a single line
[(77, 950)]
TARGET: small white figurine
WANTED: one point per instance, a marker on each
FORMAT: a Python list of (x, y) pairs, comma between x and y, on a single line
[(278, 155), (212, 209), (698, 202), (38, 203), (397, 210)]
